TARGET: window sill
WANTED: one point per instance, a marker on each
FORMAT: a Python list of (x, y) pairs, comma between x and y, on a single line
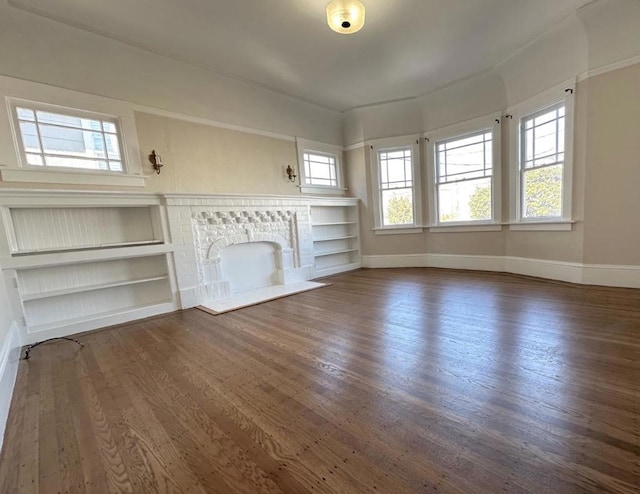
[(315, 189), (70, 178), (393, 230), (551, 226), (466, 227)]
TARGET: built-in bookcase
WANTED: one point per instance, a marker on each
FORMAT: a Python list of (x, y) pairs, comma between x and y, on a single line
[(336, 246), (82, 266)]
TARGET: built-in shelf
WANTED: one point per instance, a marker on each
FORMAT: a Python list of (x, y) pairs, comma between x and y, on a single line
[(336, 244), (80, 289), (84, 261)]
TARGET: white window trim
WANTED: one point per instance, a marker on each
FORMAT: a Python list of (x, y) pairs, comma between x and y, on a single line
[(31, 94), (377, 145), (488, 122), (308, 146), (562, 93)]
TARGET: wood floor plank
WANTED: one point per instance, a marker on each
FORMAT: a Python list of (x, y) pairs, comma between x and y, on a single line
[(395, 381)]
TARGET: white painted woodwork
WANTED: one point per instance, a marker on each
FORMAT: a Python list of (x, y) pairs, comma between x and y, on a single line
[(336, 246), (80, 261)]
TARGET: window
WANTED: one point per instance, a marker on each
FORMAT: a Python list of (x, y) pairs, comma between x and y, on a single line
[(66, 139), (56, 136), (319, 167), (397, 203), (464, 174), (541, 153), (396, 186), (463, 160), (541, 163)]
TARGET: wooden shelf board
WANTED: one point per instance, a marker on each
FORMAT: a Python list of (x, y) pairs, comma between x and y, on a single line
[(75, 257), (334, 252), (329, 239), (77, 248), (29, 297), (335, 223)]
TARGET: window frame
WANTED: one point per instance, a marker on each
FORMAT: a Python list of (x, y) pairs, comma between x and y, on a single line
[(377, 146), (322, 149), (488, 123), (13, 167), (14, 104), (563, 94)]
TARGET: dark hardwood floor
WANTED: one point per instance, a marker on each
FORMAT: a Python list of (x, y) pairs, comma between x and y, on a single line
[(391, 381)]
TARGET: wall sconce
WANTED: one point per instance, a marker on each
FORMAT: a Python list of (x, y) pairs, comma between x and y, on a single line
[(291, 173), (156, 161)]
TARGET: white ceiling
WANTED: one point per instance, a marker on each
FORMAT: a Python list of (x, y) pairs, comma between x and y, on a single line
[(407, 48)]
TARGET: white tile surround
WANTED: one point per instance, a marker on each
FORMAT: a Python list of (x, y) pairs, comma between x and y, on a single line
[(200, 227)]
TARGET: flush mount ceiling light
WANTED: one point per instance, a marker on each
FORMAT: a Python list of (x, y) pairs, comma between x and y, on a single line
[(345, 16)]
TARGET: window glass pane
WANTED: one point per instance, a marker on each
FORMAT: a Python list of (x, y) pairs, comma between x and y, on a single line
[(561, 135), (56, 118), (465, 158), (545, 136), (464, 141), (25, 114), (76, 163), (469, 200), (546, 117), (544, 143), (109, 127), (397, 207), (113, 147), (30, 139), (72, 142), (115, 166), (528, 145), (34, 159), (542, 196), (395, 169)]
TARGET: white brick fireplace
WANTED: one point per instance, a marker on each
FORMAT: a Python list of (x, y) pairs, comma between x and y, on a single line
[(203, 228)]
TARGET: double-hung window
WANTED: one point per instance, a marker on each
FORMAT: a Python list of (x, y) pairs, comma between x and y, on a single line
[(396, 186), (464, 177), (397, 201), (541, 150), (542, 138), (464, 170)]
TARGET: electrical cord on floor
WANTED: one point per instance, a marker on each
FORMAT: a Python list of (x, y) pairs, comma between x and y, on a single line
[(37, 343)]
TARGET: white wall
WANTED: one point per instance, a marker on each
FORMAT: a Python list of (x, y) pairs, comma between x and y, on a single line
[(9, 356), (41, 50)]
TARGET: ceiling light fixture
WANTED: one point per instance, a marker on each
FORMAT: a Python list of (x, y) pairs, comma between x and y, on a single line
[(345, 16)]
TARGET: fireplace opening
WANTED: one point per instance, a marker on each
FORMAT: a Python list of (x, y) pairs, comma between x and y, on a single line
[(249, 266)]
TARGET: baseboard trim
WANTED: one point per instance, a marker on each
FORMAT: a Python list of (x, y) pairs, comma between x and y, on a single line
[(9, 362), (586, 274)]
